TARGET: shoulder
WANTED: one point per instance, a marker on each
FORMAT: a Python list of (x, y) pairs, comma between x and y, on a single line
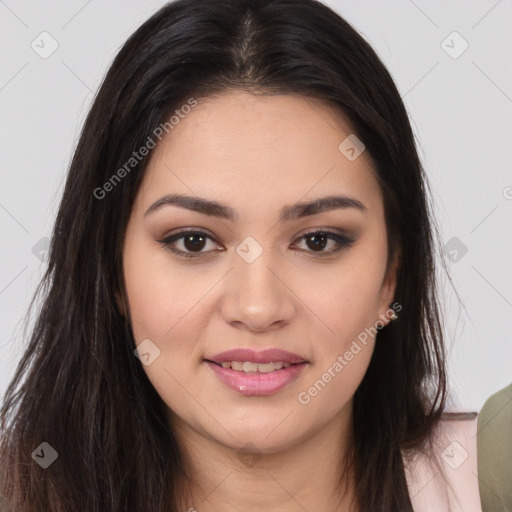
[(495, 451), (497, 408), (445, 476)]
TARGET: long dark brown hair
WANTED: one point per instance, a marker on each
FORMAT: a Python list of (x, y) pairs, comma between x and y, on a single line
[(78, 385)]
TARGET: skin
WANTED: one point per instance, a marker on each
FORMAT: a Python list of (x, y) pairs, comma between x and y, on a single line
[(257, 154)]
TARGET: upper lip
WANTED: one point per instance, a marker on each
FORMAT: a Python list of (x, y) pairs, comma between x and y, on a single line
[(263, 356)]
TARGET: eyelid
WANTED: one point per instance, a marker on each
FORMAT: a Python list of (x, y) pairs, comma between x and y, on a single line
[(336, 231)]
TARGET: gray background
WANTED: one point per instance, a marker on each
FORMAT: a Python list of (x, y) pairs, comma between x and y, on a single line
[(460, 106)]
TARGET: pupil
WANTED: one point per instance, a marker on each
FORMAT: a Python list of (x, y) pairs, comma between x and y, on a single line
[(191, 246), (320, 245)]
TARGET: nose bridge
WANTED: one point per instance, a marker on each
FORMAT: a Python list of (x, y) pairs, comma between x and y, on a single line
[(255, 296), (255, 277)]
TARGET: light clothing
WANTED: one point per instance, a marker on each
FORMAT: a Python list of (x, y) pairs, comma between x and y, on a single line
[(456, 449)]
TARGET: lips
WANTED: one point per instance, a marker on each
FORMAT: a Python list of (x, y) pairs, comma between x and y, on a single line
[(255, 383), (257, 373), (264, 356)]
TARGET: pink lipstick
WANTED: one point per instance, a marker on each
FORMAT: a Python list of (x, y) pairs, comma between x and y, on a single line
[(256, 373)]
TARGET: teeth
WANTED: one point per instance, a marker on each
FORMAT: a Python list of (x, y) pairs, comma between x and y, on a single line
[(254, 367)]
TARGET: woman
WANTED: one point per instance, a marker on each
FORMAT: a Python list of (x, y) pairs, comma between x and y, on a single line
[(244, 216)]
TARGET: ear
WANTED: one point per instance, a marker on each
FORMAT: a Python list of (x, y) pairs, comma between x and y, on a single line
[(389, 287)]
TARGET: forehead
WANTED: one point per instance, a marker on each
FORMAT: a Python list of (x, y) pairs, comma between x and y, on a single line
[(260, 150)]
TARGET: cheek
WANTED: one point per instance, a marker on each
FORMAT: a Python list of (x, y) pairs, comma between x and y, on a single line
[(162, 297), (346, 298), (347, 302), (348, 307), (166, 307)]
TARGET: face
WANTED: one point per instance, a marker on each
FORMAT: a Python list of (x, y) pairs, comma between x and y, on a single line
[(255, 273)]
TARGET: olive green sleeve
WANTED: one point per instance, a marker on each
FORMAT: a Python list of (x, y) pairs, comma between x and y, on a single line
[(494, 448)]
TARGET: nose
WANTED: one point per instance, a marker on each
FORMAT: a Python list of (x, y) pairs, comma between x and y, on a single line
[(257, 295)]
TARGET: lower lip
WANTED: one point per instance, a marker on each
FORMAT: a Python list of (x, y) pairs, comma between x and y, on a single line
[(257, 383)]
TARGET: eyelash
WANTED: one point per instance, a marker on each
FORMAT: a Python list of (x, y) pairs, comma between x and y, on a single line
[(343, 241)]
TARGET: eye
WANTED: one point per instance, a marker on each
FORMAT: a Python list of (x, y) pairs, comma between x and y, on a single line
[(318, 240), (192, 243)]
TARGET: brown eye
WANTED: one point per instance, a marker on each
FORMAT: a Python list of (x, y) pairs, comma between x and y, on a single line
[(192, 242), (317, 241)]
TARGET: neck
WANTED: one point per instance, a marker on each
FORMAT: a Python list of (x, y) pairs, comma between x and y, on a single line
[(304, 476)]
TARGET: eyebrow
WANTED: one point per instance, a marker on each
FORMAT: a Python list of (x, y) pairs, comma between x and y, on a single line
[(288, 213)]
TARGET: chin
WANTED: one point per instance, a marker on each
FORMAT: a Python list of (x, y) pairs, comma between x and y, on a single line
[(261, 442)]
